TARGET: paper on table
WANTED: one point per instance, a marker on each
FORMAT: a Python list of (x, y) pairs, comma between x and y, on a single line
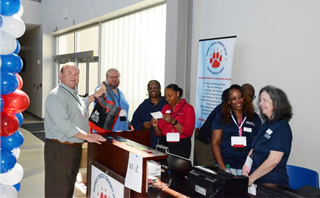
[(157, 115)]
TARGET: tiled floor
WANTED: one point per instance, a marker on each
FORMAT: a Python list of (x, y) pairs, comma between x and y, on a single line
[(32, 160)]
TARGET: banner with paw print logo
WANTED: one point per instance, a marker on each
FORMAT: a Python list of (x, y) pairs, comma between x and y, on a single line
[(214, 74)]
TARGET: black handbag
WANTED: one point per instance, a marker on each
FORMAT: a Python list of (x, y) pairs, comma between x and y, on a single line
[(105, 114)]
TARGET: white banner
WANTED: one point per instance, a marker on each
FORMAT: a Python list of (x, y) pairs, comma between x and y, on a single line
[(214, 74)]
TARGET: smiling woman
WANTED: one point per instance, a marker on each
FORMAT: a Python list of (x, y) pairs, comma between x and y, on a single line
[(177, 125), (272, 147), (233, 130), (142, 116)]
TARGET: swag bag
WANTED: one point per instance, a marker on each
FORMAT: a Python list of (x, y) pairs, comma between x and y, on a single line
[(105, 114)]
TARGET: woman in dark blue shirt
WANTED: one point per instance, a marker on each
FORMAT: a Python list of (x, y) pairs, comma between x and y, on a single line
[(142, 117), (234, 129), (271, 148)]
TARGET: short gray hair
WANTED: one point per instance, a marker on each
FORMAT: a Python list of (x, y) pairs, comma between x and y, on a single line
[(112, 69), (69, 64)]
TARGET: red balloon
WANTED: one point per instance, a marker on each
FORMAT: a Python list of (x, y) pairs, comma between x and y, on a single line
[(9, 124), (20, 81), (16, 102)]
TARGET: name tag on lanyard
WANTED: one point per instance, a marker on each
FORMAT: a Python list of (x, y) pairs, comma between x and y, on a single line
[(173, 137), (238, 143)]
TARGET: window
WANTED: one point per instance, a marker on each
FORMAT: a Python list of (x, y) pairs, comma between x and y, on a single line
[(66, 43)]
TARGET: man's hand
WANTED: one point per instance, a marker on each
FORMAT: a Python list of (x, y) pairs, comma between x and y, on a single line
[(95, 138), (99, 92), (92, 138), (103, 87)]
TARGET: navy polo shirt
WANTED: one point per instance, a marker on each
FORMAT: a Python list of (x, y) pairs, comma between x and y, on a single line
[(276, 136), (234, 158), (207, 125)]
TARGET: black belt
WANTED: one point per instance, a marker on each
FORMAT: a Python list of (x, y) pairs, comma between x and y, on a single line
[(67, 143)]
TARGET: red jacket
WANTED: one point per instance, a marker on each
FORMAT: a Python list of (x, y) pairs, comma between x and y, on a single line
[(184, 114)]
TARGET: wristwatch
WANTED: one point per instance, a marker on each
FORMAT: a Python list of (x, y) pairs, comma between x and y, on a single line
[(176, 122)]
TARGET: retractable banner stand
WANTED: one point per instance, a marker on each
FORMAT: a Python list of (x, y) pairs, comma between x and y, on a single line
[(214, 74)]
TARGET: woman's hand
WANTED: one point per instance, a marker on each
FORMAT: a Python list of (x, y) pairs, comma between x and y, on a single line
[(244, 171), (215, 146), (250, 181), (270, 163), (147, 125), (167, 118), (154, 122)]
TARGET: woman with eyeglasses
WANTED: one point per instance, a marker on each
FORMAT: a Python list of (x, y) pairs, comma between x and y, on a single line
[(271, 149), (142, 116), (234, 129), (177, 125)]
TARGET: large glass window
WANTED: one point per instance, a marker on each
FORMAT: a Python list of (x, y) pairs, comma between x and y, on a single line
[(87, 39), (66, 43)]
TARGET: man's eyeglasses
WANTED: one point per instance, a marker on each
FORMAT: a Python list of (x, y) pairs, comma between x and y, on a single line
[(153, 88), (114, 77)]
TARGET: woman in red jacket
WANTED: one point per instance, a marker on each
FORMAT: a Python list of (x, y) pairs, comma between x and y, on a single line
[(177, 125)]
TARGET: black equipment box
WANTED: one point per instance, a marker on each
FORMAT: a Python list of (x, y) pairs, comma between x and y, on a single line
[(213, 182)]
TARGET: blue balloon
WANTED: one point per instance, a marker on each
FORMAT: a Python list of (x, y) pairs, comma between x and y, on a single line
[(9, 7), (8, 161), (17, 186), (20, 118), (18, 47), (9, 83), (12, 141), (1, 103), (11, 63)]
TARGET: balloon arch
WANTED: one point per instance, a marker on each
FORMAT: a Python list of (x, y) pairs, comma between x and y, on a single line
[(13, 101)]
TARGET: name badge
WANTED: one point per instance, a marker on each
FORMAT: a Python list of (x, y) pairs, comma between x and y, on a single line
[(248, 164), (173, 137), (247, 129), (238, 141), (123, 115)]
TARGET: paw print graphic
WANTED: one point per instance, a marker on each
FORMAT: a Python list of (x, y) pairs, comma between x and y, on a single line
[(216, 59), (103, 193)]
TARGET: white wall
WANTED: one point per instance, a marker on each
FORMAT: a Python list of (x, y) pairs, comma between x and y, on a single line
[(277, 43), (32, 12)]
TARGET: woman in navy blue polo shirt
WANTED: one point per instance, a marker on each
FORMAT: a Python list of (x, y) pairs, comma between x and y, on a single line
[(271, 148), (234, 129)]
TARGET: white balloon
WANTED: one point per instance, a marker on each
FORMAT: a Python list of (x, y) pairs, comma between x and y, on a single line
[(20, 12), (13, 25), (16, 152), (7, 43), (8, 191), (13, 176)]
